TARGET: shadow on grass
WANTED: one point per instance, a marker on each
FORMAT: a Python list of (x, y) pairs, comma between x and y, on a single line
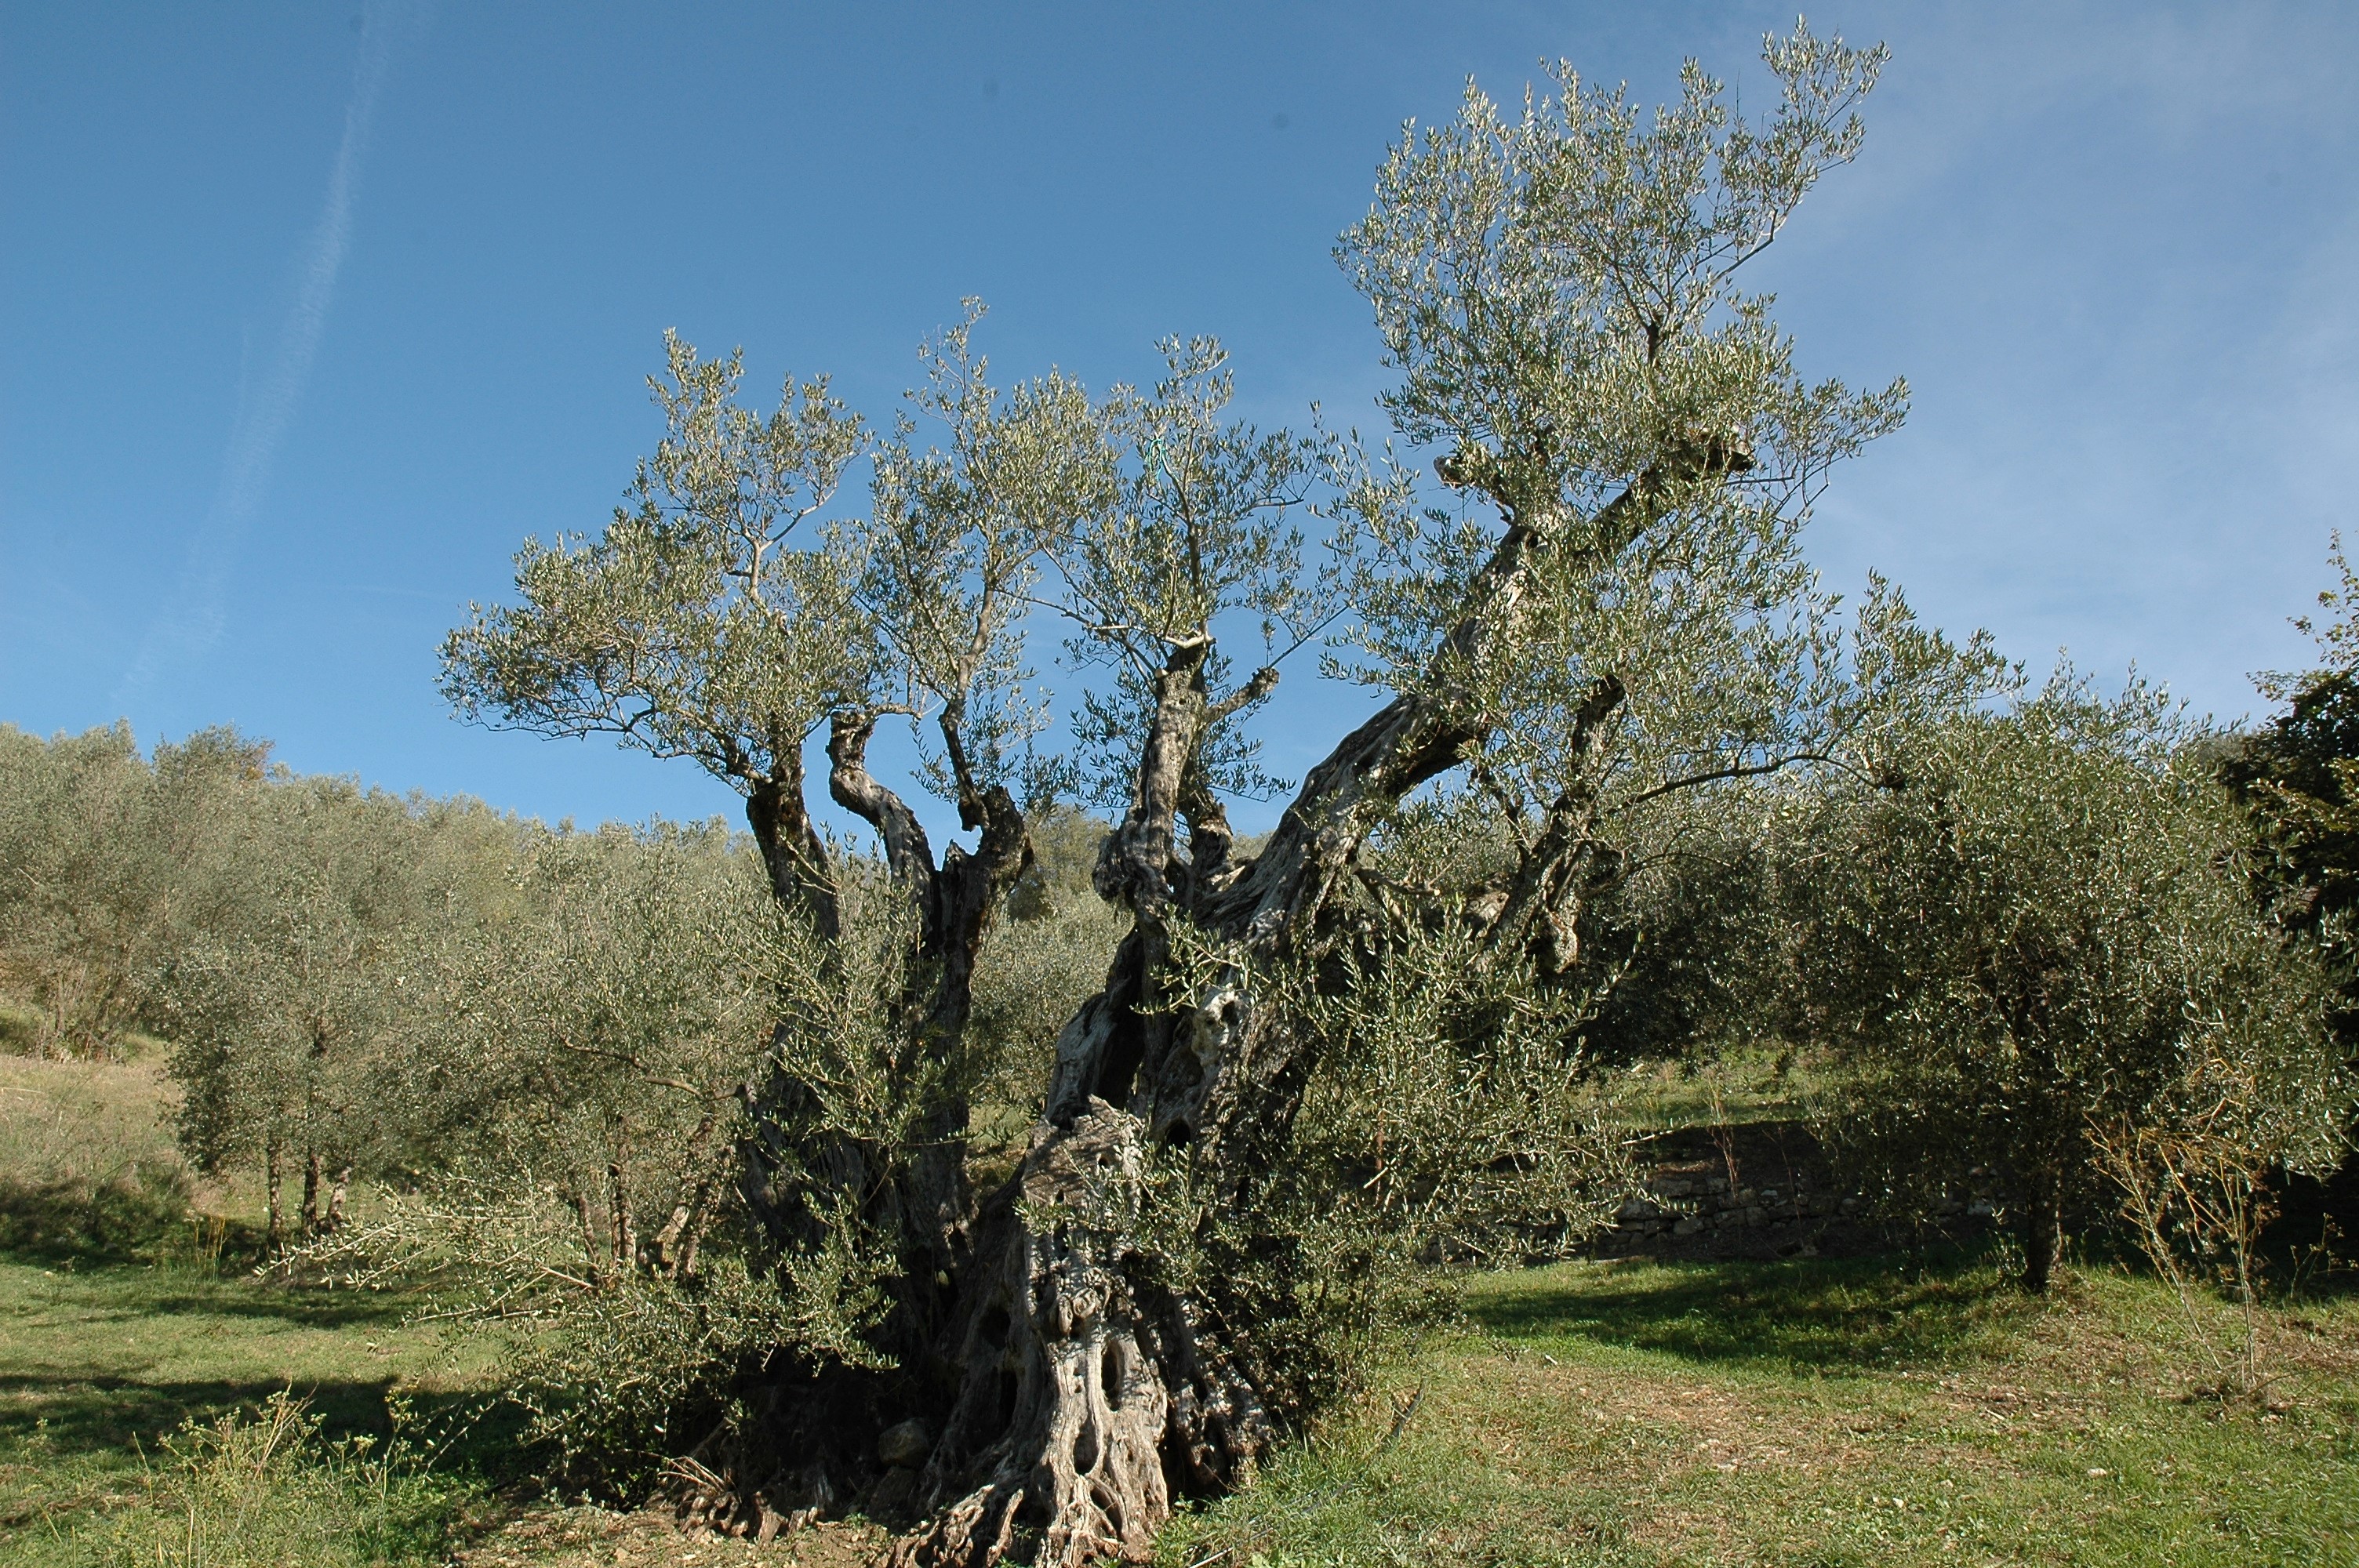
[(78, 1224), (301, 1306), (165, 1292), (120, 1416), (90, 1414), (1822, 1313)]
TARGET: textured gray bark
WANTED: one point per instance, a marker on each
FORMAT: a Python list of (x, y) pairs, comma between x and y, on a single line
[(670, 1253), (310, 1210), (793, 853), (273, 1178), (956, 899)]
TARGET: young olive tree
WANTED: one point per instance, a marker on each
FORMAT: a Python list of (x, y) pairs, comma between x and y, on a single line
[(2038, 950), (1607, 611), (2297, 776), (281, 1011), (567, 1080)]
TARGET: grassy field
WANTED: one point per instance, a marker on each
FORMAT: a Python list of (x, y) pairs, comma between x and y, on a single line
[(1811, 1412), (1820, 1412), (102, 1370), (129, 1325)]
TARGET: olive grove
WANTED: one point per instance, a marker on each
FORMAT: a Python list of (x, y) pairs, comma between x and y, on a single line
[(1014, 1182)]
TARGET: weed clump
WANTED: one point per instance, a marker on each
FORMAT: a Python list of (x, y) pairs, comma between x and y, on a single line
[(263, 1489)]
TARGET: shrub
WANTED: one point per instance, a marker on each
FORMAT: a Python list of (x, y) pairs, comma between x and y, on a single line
[(265, 1490), (615, 1367)]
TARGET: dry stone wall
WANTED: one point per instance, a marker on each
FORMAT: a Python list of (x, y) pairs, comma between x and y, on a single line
[(1761, 1189)]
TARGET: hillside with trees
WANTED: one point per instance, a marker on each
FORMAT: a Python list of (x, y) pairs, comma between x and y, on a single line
[(1067, 1187)]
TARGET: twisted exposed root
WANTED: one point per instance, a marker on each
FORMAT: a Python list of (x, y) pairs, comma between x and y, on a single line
[(976, 1530), (1055, 1442)]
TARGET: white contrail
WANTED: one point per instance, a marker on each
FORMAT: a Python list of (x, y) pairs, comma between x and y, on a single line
[(267, 406)]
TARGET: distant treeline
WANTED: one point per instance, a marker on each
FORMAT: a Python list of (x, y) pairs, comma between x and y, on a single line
[(346, 981)]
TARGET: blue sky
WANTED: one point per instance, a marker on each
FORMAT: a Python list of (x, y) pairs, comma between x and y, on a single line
[(310, 313)]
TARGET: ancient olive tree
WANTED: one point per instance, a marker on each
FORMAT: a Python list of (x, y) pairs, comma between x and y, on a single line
[(1602, 608)]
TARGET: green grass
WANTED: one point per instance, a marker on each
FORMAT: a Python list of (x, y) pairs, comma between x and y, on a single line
[(98, 1369), (1818, 1413), (1736, 1085), (266, 1489)]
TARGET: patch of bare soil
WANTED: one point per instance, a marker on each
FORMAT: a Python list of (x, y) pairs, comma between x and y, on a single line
[(594, 1538)]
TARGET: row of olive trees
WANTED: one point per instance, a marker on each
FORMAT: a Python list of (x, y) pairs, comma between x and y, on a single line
[(343, 982), (281, 1008)]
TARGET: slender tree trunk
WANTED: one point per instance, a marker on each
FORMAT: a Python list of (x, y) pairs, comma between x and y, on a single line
[(334, 1220), (929, 1201), (312, 1172), (692, 1188), (274, 1221), (625, 1228), (593, 1259), (663, 1252), (2045, 1132), (2041, 1229), (695, 1240), (673, 1252), (55, 1043)]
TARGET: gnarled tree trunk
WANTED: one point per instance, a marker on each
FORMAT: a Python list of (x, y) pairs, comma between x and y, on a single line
[(1071, 1389), (1086, 1387), (1087, 1390)]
